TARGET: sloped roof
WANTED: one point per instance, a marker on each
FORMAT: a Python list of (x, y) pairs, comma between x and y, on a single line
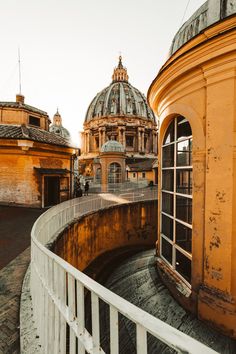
[(145, 165), (22, 106), (9, 131)]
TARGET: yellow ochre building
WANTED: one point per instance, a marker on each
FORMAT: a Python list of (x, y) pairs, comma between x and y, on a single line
[(194, 97), (36, 166)]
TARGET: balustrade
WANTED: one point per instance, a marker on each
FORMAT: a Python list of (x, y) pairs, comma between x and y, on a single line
[(58, 291)]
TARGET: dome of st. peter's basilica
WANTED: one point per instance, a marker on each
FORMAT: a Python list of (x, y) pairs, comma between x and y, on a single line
[(119, 112)]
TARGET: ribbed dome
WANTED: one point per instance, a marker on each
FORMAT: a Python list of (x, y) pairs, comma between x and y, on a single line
[(59, 130), (120, 98), (112, 146)]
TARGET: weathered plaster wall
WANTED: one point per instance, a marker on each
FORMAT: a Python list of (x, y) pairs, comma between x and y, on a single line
[(198, 82), (20, 184), (21, 116), (108, 229), (149, 176)]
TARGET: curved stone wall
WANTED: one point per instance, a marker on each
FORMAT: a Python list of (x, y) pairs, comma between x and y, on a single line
[(112, 228), (198, 83)]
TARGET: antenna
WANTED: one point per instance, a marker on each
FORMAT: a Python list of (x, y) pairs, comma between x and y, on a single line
[(186, 8), (19, 67)]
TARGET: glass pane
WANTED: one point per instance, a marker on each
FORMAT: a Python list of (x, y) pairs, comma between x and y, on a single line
[(168, 156), (114, 173), (184, 151), (169, 137), (168, 180), (184, 237), (167, 226), (115, 167), (184, 209), (183, 128), (166, 250), (167, 203), (184, 181), (183, 266)]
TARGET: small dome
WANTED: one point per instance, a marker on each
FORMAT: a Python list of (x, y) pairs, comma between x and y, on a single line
[(112, 146), (59, 130), (57, 127), (119, 99)]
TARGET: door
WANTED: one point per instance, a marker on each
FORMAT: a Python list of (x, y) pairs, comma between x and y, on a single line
[(51, 190)]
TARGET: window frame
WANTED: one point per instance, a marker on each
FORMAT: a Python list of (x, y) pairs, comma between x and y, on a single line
[(114, 173), (174, 193), (30, 117)]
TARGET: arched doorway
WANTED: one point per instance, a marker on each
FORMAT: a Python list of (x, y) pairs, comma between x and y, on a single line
[(176, 198)]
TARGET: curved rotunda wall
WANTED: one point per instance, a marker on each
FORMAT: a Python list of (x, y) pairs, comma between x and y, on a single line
[(93, 235), (198, 83)]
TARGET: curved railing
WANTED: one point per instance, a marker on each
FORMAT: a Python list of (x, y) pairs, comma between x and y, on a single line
[(58, 291)]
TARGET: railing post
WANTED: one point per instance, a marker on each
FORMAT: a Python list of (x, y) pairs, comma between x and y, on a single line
[(141, 339), (62, 300), (95, 322), (114, 334), (71, 309), (80, 315)]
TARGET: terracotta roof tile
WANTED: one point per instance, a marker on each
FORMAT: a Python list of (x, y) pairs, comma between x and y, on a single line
[(23, 106), (9, 131), (145, 165)]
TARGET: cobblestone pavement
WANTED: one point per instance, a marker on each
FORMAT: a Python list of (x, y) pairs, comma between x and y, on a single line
[(15, 226)]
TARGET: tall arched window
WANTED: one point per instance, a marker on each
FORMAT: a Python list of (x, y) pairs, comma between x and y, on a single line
[(114, 173), (176, 199)]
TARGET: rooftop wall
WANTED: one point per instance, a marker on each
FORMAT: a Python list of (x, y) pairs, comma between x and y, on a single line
[(92, 235)]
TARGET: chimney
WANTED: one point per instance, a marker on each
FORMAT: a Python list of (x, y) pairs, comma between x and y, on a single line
[(20, 98)]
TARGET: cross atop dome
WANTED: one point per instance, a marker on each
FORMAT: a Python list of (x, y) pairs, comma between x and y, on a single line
[(120, 73)]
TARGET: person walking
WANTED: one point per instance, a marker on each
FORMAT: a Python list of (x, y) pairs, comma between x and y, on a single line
[(86, 188)]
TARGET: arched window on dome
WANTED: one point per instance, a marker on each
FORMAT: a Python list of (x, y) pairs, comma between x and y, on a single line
[(114, 173), (176, 198)]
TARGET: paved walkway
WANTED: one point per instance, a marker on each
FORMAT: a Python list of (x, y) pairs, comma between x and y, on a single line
[(15, 226)]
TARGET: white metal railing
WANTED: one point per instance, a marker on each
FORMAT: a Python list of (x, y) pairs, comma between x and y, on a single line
[(97, 187), (58, 291)]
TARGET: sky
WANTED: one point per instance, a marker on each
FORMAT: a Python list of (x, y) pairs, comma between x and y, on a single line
[(69, 48)]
